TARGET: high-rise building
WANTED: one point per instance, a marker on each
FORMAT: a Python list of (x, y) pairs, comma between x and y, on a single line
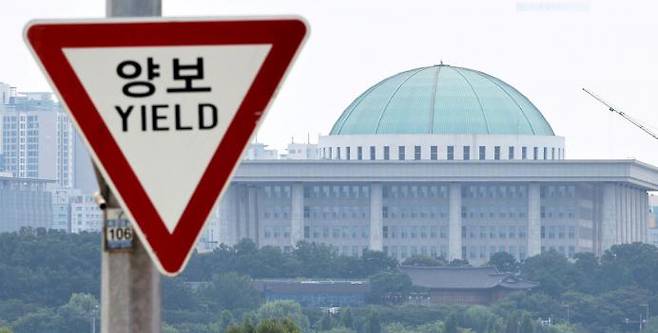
[(37, 139)]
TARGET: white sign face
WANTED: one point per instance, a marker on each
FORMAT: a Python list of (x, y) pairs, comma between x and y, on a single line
[(166, 107), (168, 128)]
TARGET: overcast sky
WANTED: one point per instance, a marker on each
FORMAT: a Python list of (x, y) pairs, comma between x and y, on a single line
[(548, 50)]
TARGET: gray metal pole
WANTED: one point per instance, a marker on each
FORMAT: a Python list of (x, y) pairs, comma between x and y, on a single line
[(130, 283)]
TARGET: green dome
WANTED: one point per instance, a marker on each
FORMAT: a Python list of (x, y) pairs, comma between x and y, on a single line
[(442, 99)]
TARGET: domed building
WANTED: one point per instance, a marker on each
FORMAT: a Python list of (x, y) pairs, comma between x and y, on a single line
[(439, 161), (442, 113)]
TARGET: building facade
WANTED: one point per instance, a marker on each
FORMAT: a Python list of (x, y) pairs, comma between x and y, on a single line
[(37, 139), (440, 161), (24, 203)]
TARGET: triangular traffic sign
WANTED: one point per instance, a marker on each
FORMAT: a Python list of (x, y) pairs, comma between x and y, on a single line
[(167, 107)]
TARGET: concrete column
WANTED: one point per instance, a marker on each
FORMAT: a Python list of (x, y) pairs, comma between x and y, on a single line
[(252, 213), (297, 214), (609, 211), (376, 218), (644, 199), (619, 217), (596, 219), (241, 213), (627, 215), (534, 220), (455, 222), (227, 217)]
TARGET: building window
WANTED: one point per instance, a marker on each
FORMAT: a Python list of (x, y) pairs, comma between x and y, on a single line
[(545, 153), (401, 153), (559, 153), (359, 153), (535, 153), (338, 153), (347, 153), (496, 152), (331, 153), (482, 152), (467, 153), (553, 153), (451, 153), (510, 153), (307, 232), (434, 153), (372, 152), (387, 153), (416, 152), (524, 153)]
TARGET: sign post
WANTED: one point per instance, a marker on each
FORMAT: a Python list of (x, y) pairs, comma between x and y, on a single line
[(130, 283), (166, 107)]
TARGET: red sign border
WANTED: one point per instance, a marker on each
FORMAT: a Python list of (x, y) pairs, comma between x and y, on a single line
[(170, 251)]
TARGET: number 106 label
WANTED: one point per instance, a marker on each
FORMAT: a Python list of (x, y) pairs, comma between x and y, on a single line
[(119, 232)]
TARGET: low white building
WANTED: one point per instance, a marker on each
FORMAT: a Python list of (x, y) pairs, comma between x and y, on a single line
[(85, 214)]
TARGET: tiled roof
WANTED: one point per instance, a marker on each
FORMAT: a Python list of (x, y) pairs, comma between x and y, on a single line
[(311, 286), (463, 278)]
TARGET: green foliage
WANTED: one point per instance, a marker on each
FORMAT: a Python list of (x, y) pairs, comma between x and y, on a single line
[(451, 324), (652, 326), (477, 317), (230, 291), (385, 283), (504, 262), (280, 310), (46, 268), (346, 318), (266, 326), (307, 260), (433, 327), (552, 270), (418, 260), (5, 329)]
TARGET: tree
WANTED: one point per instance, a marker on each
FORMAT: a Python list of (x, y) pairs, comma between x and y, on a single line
[(423, 261), (280, 310), (266, 326), (504, 262), (5, 329), (385, 283), (44, 320), (477, 317), (652, 325), (374, 326), (80, 312), (527, 325), (231, 291), (325, 322), (552, 270), (346, 318), (277, 326), (451, 324)]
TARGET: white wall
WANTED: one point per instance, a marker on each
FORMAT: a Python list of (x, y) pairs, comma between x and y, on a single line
[(409, 141)]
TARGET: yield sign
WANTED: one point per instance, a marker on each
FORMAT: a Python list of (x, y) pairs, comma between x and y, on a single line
[(166, 108)]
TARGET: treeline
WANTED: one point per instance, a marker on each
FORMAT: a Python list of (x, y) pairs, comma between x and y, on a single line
[(49, 282), (308, 260)]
